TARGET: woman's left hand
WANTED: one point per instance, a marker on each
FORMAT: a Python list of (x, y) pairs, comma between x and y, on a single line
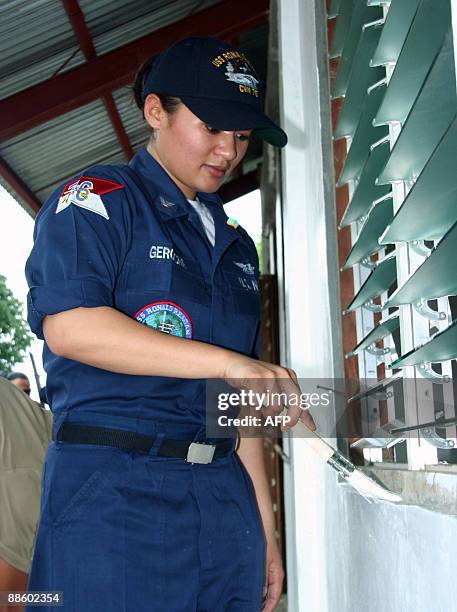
[(274, 576)]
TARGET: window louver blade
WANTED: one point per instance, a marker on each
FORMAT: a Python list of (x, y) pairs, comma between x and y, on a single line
[(442, 347), (367, 191), (381, 385), (384, 328), (365, 135), (398, 21), (367, 241), (428, 120), (361, 15), (342, 26), (362, 77), (424, 40), (434, 195), (381, 279), (334, 9), (435, 278)]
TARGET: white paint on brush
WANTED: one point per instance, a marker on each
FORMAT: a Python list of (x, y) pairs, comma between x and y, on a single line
[(360, 481), (369, 488)]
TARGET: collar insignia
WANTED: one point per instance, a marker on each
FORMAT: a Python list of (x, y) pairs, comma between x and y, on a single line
[(232, 222), (166, 203)]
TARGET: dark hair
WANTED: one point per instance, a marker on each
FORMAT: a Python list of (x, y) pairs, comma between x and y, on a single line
[(169, 103), (16, 376)]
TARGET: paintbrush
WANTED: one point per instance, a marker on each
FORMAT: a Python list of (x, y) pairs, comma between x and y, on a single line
[(365, 485)]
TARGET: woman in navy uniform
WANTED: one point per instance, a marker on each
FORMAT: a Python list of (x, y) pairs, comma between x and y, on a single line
[(142, 289)]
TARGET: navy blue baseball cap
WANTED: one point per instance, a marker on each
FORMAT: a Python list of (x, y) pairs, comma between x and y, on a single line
[(217, 83)]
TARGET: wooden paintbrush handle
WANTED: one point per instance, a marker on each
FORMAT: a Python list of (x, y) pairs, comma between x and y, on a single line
[(317, 443)]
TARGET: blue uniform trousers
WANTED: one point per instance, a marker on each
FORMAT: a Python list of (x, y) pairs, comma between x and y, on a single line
[(129, 532)]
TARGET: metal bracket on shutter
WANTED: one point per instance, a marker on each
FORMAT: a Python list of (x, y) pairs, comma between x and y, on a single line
[(372, 307), (388, 196), (383, 437), (426, 370), (386, 138), (367, 263), (379, 353), (373, 24), (429, 433), (418, 246), (431, 436), (424, 310), (382, 395)]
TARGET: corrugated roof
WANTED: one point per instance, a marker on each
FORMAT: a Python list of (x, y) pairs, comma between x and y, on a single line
[(37, 41), (54, 151), (113, 23), (132, 118)]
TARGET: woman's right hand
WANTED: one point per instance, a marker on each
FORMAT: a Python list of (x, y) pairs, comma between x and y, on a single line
[(265, 379)]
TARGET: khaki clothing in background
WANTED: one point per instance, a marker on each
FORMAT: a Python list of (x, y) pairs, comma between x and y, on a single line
[(25, 432)]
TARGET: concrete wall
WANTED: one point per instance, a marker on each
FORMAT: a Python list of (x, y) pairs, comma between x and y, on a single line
[(388, 558), (343, 554)]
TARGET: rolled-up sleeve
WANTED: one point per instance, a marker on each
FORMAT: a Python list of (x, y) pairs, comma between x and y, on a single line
[(79, 247)]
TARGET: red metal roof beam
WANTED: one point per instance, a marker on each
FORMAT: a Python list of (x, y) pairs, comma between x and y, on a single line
[(19, 186), (78, 23), (87, 82), (116, 121), (84, 38)]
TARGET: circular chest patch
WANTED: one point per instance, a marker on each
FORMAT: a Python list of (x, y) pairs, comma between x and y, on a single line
[(166, 317)]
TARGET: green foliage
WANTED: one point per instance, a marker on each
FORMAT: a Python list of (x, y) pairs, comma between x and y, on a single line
[(15, 337)]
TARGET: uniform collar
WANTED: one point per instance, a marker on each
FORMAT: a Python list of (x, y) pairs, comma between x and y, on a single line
[(225, 234), (171, 202)]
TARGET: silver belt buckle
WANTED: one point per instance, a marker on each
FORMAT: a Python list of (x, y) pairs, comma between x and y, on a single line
[(200, 453)]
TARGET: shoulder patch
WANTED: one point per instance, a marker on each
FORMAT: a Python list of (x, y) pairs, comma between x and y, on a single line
[(86, 192), (166, 317)]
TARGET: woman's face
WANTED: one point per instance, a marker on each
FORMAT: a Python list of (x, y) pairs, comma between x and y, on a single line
[(196, 157)]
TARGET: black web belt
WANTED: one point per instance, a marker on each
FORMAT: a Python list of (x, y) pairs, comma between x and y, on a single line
[(193, 452)]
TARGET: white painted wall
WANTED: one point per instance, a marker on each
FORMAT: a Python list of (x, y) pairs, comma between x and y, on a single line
[(307, 318), (343, 554), (388, 558)]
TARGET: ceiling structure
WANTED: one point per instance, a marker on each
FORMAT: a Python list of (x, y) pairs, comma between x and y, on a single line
[(66, 73)]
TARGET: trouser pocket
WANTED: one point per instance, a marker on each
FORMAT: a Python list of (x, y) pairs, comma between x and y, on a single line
[(78, 479)]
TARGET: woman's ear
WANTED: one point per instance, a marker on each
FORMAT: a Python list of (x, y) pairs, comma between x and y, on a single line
[(153, 111)]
